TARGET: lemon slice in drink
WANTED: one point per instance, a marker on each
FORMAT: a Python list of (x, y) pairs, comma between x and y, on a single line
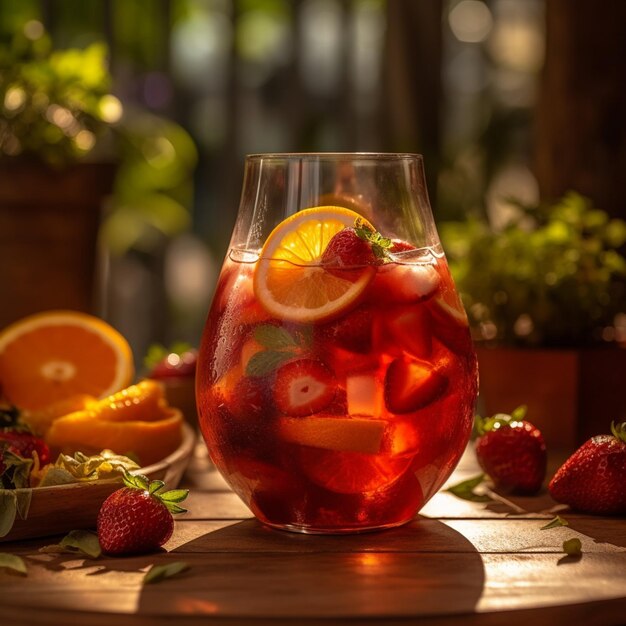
[(289, 281)]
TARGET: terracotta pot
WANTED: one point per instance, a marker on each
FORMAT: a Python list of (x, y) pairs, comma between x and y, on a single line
[(48, 233), (571, 394)]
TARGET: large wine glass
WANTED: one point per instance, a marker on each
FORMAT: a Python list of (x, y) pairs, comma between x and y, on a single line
[(336, 376)]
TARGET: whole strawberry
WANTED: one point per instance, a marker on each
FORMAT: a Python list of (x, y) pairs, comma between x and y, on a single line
[(22, 444), (593, 479), (355, 247), (512, 451), (138, 518)]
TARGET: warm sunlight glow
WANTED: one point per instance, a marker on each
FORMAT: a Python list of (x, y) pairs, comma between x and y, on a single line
[(470, 21), (111, 109)]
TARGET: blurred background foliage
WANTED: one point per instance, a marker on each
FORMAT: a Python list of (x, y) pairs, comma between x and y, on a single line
[(243, 76), (552, 276)]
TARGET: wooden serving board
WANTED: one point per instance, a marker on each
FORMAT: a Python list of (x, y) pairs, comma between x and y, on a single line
[(59, 509)]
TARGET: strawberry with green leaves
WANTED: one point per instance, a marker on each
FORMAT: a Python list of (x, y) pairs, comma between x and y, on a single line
[(138, 517), (512, 451), (18, 447), (593, 479), (356, 247)]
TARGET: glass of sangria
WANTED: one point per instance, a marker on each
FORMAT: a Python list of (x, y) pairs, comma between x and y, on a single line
[(336, 376)]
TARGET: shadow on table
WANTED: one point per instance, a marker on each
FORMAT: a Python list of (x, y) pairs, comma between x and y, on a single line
[(246, 569)]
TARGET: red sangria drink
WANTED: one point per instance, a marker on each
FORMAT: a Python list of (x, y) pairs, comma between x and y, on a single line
[(336, 376)]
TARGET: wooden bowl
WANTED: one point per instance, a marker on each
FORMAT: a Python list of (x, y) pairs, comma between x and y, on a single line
[(59, 509)]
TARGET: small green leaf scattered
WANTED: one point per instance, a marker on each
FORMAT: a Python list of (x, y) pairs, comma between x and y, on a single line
[(13, 563), (465, 489), (554, 523), (76, 542), (160, 572), (572, 547)]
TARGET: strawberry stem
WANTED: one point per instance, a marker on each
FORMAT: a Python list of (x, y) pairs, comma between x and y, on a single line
[(483, 425), (619, 431), (170, 498), (380, 245)]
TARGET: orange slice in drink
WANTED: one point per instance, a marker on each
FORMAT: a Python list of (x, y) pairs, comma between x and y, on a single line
[(48, 357), (289, 281)]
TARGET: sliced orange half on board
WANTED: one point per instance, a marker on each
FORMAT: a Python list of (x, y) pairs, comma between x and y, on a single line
[(289, 281), (48, 357)]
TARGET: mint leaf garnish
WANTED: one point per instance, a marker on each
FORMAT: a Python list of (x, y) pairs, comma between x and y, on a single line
[(160, 572), (572, 547), (465, 489), (266, 361), (12, 562), (557, 521), (76, 542), (274, 337)]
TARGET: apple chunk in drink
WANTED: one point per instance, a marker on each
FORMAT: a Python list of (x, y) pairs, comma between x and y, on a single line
[(336, 383)]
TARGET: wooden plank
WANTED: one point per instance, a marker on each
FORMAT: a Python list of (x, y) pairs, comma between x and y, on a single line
[(420, 537), (214, 505), (319, 585), (602, 613)]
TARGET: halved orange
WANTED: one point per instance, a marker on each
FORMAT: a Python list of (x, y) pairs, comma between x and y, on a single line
[(51, 356), (289, 281), (149, 440)]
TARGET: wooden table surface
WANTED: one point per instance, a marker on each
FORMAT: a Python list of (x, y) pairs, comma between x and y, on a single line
[(459, 562)]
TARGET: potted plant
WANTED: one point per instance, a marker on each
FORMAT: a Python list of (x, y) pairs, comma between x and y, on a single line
[(54, 172), (66, 143), (546, 299)]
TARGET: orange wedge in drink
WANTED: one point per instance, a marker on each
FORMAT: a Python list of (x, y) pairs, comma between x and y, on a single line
[(349, 434), (289, 280), (52, 356)]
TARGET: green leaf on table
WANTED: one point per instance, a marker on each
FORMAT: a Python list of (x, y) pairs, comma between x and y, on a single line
[(572, 547), (12, 562), (554, 523), (266, 361), (76, 542), (465, 489), (160, 572)]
